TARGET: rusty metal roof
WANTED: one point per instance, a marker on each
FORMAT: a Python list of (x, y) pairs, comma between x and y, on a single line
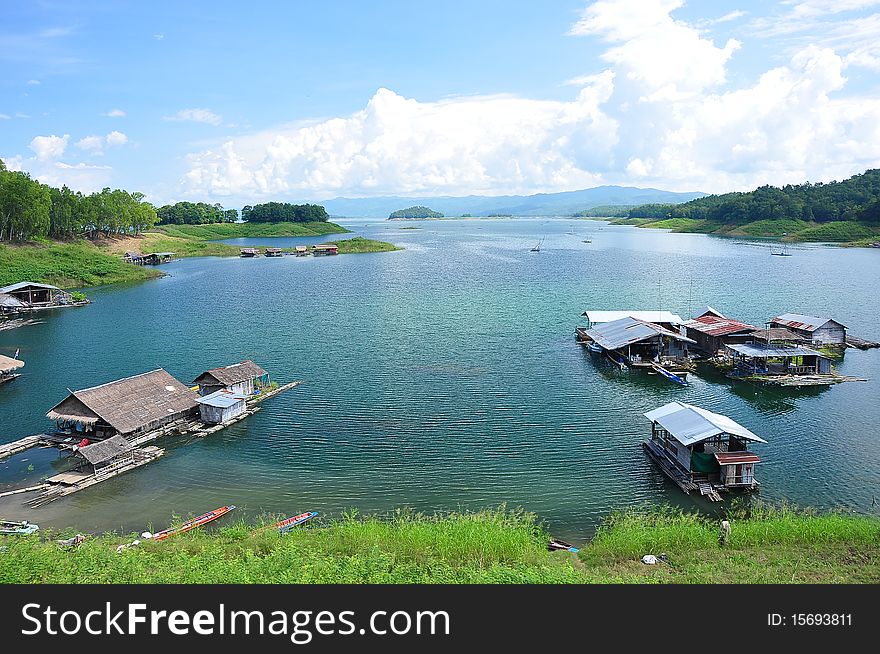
[(800, 321), (715, 326), (734, 458)]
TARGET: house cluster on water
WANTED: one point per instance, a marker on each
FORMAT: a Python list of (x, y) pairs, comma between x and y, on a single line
[(149, 259), (299, 251)]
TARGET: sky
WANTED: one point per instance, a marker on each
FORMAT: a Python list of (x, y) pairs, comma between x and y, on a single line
[(239, 103)]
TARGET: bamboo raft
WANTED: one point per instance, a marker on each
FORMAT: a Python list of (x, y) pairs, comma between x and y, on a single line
[(801, 380), (22, 444), (861, 343)]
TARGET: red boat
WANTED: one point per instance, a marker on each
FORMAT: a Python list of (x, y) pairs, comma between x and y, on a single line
[(287, 524), (203, 519)]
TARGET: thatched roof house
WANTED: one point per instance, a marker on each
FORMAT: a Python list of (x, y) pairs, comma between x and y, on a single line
[(7, 364), (129, 406), (239, 378)]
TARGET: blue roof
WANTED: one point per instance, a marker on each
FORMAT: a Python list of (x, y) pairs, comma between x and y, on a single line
[(222, 399)]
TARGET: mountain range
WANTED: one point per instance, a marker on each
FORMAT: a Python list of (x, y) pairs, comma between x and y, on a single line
[(540, 204)]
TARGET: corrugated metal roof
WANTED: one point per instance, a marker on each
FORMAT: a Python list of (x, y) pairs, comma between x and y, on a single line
[(596, 317), (800, 321), (715, 326), (11, 302), (20, 285), (222, 399), (733, 458), (690, 424), (759, 350), (627, 330)]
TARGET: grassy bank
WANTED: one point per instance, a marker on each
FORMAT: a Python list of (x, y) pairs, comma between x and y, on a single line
[(769, 546), (359, 244), (220, 231), (848, 232), (67, 265)]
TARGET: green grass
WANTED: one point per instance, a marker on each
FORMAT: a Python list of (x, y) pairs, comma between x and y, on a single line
[(67, 265), (683, 225), (770, 228), (359, 244), (769, 545), (220, 231), (841, 231)]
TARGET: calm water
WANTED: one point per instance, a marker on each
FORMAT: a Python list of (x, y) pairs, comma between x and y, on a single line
[(446, 375)]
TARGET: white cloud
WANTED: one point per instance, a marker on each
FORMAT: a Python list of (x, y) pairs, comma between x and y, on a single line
[(158, 37), (115, 113), (49, 147), (397, 144), (196, 116), (812, 8), (91, 144), (32, 82), (116, 138), (5, 117)]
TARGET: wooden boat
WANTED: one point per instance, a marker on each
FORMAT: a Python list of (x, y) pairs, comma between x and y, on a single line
[(595, 347), (537, 248), (557, 544), (671, 376), (199, 521), (783, 252), (617, 359), (283, 526), (10, 528)]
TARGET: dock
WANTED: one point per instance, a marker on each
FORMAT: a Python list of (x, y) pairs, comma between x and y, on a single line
[(22, 444), (861, 343), (800, 380)]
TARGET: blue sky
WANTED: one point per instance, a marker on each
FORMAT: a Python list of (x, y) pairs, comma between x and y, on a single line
[(236, 103)]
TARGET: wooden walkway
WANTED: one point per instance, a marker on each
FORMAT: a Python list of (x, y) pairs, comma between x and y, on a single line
[(861, 343), (26, 443)]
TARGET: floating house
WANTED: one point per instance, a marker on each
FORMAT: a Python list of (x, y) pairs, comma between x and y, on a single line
[(129, 407), (325, 249), (274, 252), (759, 360), (156, 258), (244, 378), (712, 331), (108, 455), (665, 319), (249, 252), (36, 296), (220, 406), (8, 366), (702, 450), (779, 335), (818, 331), (300, 250), (134, 257), (638, 342)]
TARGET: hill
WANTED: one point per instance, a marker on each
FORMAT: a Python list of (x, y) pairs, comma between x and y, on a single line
[(540, 204), (414, 212)]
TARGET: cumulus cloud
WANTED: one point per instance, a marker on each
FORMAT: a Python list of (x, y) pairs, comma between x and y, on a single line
[(660, 111), (5, 117), (33, 82), (115, 113), (116, 138), (49, 147), (95, 144), (196, 116)]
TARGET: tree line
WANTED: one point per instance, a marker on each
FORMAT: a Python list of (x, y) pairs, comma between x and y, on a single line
[(856, 198), (31, 211), (415, 212), (284, 212), (195, 213)]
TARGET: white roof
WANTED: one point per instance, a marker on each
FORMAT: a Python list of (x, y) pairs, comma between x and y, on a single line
[(690, 424), (20, 285), (648, 316), (626, 331), (222, 399)]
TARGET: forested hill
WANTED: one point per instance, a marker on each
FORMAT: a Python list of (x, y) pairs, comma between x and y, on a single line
[(853, 199)]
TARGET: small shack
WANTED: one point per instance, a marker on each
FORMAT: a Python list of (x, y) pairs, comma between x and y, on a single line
[(248, 252), (8, 366), (244, 378), (130, 407), (10, 304), (325, 249), (34, 295), (156, 258), (700, 449), (108, 455), (134, 257), (818, 331), (300, 250), (639, 341), (274, 252), (712, 331), (220, 406)]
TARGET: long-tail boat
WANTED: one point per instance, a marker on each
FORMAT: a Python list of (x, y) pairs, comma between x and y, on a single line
[(203, 519), (283, 526)]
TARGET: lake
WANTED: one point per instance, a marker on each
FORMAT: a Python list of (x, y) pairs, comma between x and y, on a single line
[(446, 376)]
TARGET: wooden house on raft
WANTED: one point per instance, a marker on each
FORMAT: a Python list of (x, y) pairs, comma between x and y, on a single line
[(244, 378), (156, 258), (129, 407), (300, 250), (769, 361), (702, 450), (712, 331), (325, 249), (818, 331), (108, 455), (8, 366), (274, 252), (29, 296), (222, 405), (638, 342)]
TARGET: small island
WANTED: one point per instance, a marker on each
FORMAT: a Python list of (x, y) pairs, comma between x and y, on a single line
[(415, 213)]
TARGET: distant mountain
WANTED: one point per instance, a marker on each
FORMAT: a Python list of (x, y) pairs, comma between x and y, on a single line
[(540, 204)]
